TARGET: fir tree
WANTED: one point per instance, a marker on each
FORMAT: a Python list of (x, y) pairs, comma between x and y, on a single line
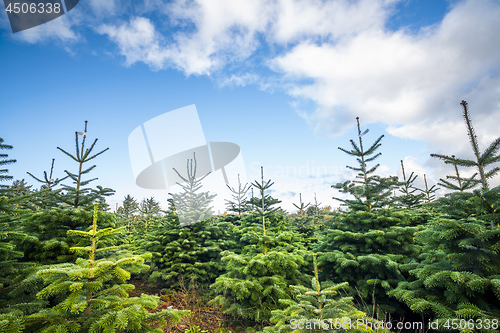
[(129, 207), (319, 309), (314, 209), (271, 261), (458, 275), (93, 295), (48, 181), (366, 248), (181, 253), (462, 184), (4, 161), (409, 199), (239, 204), (370, 191), (302, 206), (483, 160), (150, 208), (79, 196), (429, 192), (50, 243), (191, 205)]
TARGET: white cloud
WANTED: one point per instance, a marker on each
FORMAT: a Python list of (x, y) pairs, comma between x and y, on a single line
[(353, 66), (58, 29), (138, 41)]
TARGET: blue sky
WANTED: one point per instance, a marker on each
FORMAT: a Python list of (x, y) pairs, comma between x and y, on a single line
[(283, 79)]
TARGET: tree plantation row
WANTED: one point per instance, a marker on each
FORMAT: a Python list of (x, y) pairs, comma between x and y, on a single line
[(67, 262)]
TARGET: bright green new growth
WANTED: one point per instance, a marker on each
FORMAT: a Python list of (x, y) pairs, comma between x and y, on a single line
[(91, 296), (318, 309)]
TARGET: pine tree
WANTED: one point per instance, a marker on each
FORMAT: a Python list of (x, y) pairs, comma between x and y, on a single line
[(240, 202), (370, 191), (319, 309), (409, 199), (79, 196), (191, 205), (93, 297)]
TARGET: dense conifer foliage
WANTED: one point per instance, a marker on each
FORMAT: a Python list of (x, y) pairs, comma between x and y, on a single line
[(395, 251), (458, 275)]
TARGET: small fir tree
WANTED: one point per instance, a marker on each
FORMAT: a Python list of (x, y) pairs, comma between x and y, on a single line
[(370, 191), (458, 274), (462, 184), (239, 204), (48, 181), (271, 261), (129, 207), (4, 161), (192, 206), (181, 253), (302, 206), (93, 297), (319, 309), (409, 199), (481, 161), (79, 196), (429, 192)]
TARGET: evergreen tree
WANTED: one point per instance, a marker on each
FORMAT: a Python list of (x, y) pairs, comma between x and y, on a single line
[(408, 199), (150, 208), (483, 160), (191, 205), (240, 202), (302, 206), (48, 181), (79, 196), (93, 295), (129, 207), (182, 253), (319, 309), (458, 275), (271, 261), (462, 184), (370, 191), (50, 243), (4, 161), (429, 192), (314, 209), (365, 249)]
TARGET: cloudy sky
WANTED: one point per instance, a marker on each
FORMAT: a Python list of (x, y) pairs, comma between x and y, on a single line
[(283, 79)]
